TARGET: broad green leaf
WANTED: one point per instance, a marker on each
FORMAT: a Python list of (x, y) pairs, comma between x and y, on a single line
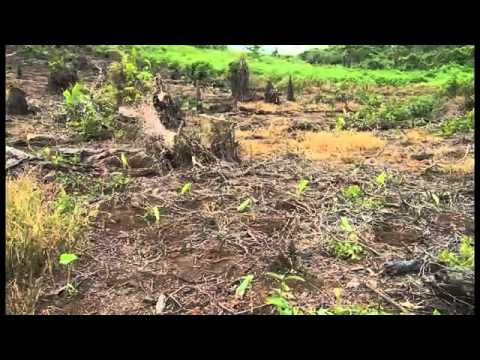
[(275, 276), (241, 289), (186, 188), (66, 258), (244, 205), (302, 185), (278, 301), (381, 178), (345, 224)]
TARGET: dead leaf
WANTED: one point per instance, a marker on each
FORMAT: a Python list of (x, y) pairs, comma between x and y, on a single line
[(161, 302), (354, 283)]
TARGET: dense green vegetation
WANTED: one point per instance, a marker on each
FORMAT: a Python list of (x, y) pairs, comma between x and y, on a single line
[(183, 58), (403, 57)]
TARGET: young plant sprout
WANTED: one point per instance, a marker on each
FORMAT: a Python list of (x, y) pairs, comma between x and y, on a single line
[(244, 205), (186, 188), (302, 186), (67, 259), (244, 285)]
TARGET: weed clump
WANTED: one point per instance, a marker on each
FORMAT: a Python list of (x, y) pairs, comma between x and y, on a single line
[(41, 222)]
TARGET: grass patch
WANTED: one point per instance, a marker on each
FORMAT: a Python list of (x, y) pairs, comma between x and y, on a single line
[(182, 57), (41, 222)]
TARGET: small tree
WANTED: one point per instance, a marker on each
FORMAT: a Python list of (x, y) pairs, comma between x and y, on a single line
[(255, 50)]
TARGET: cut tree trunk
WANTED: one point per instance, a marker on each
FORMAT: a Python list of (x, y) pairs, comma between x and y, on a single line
[(239, 80), (61, 79), (218, 136), (271, 94), (290, 95), (457, 284), (16, 102), (168, 110)]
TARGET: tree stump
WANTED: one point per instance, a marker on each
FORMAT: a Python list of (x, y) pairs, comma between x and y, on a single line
[(61, 78), (218, 136), (168, 110), (239, 79), (290, 95), (16, 102), (199, 99), (456, 284), (271, 94)]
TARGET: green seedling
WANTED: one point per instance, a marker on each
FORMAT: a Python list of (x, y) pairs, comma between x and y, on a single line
[(352, 192), (345, 225), (153, 213), (244, 285), (244, 205), (302, 186), (67, 259), (436, 199), (281, 295), (380, 179), (340, 123), (346, 249), (186, 188), (436, 312), (124, 160), (465, 257)]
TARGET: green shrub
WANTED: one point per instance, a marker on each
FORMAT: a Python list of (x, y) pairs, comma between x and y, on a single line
[(346, 249), (461, 124), (465, 257)]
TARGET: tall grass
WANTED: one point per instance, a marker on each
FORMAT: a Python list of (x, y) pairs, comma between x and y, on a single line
[(41, 222), (279, 68)]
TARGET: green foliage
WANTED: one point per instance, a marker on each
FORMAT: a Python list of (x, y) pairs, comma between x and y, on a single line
[(346, 249), (302, 186), (64, 203), (278, 68), (128, 79), (82, 114), (465, 257), (67, 258), (244, 205), (403, 57), (461, 124), (345, 225), (340, 123), (381, 178), (200, 71), (124, 160), (119, 181), (281, 296), (352, 192), (244, 285), (186, 188), (153, 213)]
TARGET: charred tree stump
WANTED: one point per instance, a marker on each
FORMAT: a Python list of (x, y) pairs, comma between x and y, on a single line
[(168, 110), (218, 136), (456, 284), (239, 79), (61, 79), (199, 99), (271, 94), (290, 95), (16, 102)]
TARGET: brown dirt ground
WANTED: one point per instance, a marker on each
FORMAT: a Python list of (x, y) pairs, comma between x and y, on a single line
[(196, 255)]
